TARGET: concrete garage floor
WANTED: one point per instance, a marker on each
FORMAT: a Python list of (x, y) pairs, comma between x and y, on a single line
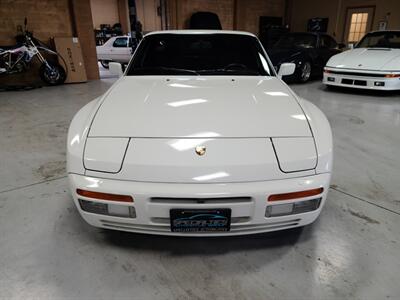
[(47, 251)]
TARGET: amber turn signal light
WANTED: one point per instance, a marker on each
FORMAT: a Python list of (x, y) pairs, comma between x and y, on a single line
[(295, 195), (104, 196), (392, 75)]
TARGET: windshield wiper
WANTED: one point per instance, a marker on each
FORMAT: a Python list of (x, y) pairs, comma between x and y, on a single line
[(223, 70), (154, 70)]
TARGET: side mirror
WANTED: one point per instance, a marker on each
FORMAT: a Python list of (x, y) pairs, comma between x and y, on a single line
[(286, 69), (341, 46), (116, 69)]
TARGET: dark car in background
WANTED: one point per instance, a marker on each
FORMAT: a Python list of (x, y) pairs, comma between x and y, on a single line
[(309, 51)]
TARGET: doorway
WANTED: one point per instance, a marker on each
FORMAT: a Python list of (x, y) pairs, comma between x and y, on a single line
[(358, 23)]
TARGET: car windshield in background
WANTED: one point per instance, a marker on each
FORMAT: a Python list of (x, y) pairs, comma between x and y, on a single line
[(380, 40), (200, 54), (296, 40)]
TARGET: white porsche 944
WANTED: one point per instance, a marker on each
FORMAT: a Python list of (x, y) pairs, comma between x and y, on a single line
[(374, 63), (199, 137)]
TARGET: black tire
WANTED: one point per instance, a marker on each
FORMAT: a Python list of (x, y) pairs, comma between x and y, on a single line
[(52, 73), (304, 72), (105, 64)]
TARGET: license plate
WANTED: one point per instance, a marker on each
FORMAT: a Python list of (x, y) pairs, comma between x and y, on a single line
[(200, 220)]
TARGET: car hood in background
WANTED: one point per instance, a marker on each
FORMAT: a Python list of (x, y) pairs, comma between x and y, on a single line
[(380, 59), (199, 106)]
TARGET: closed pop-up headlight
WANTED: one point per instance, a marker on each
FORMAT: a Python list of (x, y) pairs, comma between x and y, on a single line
[(105, 154), (295, 154)]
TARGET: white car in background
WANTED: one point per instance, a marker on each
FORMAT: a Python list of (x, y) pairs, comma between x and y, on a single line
[(116, 49), (199, 137), (374, 63)]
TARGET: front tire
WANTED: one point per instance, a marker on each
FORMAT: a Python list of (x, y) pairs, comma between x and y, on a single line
[(304, 73), (52, 73)]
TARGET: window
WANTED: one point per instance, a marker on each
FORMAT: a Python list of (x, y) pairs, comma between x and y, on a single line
[(302, 40), (358, 26), (328, 42), (199, 54), (120, 42), (381, 39)]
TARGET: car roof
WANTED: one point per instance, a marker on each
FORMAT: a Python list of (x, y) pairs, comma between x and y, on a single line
[(202, 31)]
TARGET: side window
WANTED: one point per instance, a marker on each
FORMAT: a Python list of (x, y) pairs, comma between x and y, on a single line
[(120, 42), (328, 42)]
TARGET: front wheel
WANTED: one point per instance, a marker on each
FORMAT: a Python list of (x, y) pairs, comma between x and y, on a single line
[(105, 64), (52, 73), (304, 73)]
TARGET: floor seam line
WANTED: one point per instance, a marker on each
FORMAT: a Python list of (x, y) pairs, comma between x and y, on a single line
[(31, 184), (366, 201)]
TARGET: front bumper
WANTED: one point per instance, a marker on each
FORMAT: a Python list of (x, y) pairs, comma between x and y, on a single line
[(361, 81), (152, 217)]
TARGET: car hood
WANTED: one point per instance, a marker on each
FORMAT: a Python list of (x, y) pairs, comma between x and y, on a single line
[(381, 59), (199, 106), (281, 55)]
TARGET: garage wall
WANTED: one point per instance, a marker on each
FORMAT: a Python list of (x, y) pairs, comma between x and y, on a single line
[(45, 18), (233, 14), (249, 12), (146, 11), (104, 12), (335, 10)]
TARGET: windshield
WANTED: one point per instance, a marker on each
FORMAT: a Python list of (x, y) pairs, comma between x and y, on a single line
[(297, 40), (385, 39), (199, 54)]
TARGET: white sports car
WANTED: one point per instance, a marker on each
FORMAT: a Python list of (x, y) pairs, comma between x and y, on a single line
[(374, 63), (199, 137)]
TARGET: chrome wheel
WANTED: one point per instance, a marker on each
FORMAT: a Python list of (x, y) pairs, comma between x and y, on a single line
[(305, 72)]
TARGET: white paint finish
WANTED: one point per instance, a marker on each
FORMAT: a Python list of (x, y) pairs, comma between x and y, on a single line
[(175, 161), (295, 154), (202, 31), (147, 211), (105, 154), (200, 106), (116, 69), (321, 129), (365, 61), (343, 255), (234, 117), (286, 69), (391, 84), (77, 134), (379, 59)]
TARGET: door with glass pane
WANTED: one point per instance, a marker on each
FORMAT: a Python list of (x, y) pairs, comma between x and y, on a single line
[(358, 23)]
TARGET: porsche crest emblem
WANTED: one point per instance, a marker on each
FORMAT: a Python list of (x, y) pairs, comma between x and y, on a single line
[(200, 150)]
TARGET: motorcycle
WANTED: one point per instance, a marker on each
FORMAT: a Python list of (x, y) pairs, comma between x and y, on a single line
[(16, 59)]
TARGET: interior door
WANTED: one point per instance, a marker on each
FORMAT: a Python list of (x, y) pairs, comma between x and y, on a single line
[(358, 23)]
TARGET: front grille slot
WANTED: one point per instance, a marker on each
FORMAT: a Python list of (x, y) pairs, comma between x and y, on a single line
[(347, 81), (165, 228), (360, 82), (234, 220), (200, 200)]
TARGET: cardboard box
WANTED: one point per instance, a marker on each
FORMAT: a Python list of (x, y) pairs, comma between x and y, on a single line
[(70, 50)]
